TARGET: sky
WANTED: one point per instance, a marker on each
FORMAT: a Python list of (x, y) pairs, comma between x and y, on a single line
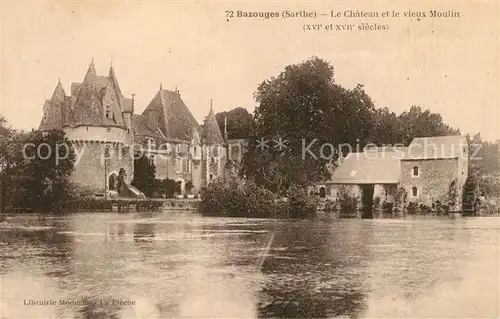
[(447, 65)]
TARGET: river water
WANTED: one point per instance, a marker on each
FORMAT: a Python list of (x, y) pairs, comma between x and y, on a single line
[(179, 264)]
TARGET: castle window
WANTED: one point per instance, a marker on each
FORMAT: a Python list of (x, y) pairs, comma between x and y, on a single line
[(178, 148), (178, 168), (415, 171), (108, 129), (188, 165), (151, 143), (108, 114), (414, 191), (211, 177), (87, 128), (152, 160), (212, 159)]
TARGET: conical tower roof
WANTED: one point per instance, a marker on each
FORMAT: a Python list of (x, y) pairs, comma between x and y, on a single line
[(211, 130), (91, 74), (59, 94)]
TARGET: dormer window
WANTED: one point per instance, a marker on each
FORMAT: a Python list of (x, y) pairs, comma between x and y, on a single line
[(415, 171)]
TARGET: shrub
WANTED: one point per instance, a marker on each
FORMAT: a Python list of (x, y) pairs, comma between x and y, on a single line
[(300, 205), (348, 203), (376, 204), (221, 198), (412, 208)]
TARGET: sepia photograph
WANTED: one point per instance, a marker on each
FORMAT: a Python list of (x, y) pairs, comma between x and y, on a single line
[(210, 159)]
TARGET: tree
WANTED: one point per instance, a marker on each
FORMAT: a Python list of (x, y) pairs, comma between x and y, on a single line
[(36, 166), (238, 123), (484, 164), (5, 130), (418, 123), (144, 175), (303, 105)]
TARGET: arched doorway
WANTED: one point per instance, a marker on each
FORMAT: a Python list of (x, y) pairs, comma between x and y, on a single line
[(322, 192), (112, 182)]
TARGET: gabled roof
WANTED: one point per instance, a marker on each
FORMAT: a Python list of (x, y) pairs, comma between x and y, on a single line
[(438, 147), (211, 130), (175, 120), (91, 97), (369, 167)]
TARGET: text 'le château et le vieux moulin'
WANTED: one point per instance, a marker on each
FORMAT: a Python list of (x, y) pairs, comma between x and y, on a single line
[(288, 14)]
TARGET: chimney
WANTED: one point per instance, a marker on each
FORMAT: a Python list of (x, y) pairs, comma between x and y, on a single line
[(133, 102), (225, 129)]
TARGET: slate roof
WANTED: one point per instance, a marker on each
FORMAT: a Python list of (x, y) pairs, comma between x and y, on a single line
[(142, 129), (87, 103), (53, 116), (74, 88), (438, 147), (369, 167), (211, 130), (58, 94), (174, 118)]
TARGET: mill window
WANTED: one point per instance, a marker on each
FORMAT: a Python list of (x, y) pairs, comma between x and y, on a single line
[(415, 171), (414, 191)]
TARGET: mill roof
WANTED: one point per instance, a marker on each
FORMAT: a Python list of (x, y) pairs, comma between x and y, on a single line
[(369, 167)]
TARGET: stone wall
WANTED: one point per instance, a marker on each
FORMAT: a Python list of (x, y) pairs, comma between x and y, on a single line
[(433, 181), (90, 169)]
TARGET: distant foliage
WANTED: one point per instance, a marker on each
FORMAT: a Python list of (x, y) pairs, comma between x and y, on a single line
[(229, 199), (238, 123), (484, 165)]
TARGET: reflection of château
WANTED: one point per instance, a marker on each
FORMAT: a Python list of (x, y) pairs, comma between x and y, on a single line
[(99, 120)]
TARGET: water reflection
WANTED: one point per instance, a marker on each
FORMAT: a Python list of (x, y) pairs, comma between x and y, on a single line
[(182, 265), (310, 274)]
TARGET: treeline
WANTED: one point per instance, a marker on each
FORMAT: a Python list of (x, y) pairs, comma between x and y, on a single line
[(303, 102)]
